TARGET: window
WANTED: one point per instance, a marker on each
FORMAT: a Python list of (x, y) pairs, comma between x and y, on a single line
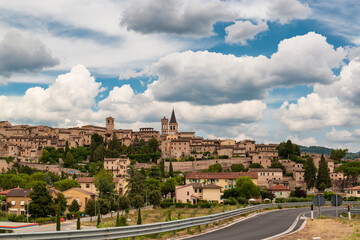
[(189, 180), (78, 200), (199, 190), (13, 203), (225, 186), (188, 193), (22, 203), (195, 190), (280, 193), (217, 180)]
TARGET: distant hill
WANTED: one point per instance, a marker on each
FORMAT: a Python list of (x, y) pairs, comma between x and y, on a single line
[(316, 149), (326, 151)]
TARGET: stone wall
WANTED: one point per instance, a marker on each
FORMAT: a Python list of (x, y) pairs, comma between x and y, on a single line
[(200, 165), (51, 168)]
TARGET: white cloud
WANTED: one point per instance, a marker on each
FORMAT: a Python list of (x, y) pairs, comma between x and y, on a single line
[(310, 141), (21, 53), (343, 136), (66, 98), (213, 78), (181, 17), (286, 10), (331, 105), (242, 31), (314, 112), (129, 73), (282, 11)]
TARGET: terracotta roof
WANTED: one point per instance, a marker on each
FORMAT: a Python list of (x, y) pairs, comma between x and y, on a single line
[(18, 192), (5, 192), (279, 187), (354, 188), (90, 180), (84, 179), (211, 186), (80, 190), (221, 175), (265, 170)]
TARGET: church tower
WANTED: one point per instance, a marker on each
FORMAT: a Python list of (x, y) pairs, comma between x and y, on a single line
[(173, 124), (110, 123), (164, 126)]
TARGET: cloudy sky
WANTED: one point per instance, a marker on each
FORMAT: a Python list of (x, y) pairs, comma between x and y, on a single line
[(268, 70)]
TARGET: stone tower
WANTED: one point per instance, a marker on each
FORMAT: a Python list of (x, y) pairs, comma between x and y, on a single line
[(164, 126), (173, 124), (110, 123)]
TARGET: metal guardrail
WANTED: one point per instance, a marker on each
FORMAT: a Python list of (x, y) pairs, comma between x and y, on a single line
[(154, 228)]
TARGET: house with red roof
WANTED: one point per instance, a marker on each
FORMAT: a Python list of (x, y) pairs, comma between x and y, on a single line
[(353, 192)]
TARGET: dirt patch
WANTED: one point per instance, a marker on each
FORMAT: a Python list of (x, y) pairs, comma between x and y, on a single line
[(327, 229)]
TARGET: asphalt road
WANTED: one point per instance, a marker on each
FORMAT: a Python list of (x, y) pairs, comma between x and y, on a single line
[(265, 225)]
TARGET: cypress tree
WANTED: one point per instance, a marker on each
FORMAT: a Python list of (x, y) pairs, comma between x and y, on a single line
[(310, 174), (139, 221), (323, 178), (171, 170), (58, 224), (98, 219), (162, 167), (118, 220), (78, 223)]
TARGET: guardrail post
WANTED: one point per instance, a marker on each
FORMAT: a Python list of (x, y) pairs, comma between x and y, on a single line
[(188, 229), (174, 232)]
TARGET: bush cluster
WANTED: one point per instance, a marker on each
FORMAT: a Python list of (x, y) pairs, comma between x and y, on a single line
[(166, 204)]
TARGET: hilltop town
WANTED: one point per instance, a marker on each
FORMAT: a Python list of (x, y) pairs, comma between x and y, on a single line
[(206, 168)]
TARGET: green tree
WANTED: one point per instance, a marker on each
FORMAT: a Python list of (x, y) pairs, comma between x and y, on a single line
[(171, 170), (78, 223), (338, 154), (155, 172), (139, 221), (155, 197), (61, 201), (246, 188), (124, 203), (136, 183), (104, 205), (96, 140), (45, 156), (98, 219), (255, 165), (69, 160), (123, 221), (310, 173), (277, 164), (104, 183), (67, 149), (351, 171), (152, 184), (66, 184), (162, 167), (323, 178), (58, 212), (215, 168), (38, 176), (99, 153), (169, 186), (137, 201), (117, 220), (288, 149), (90, 208), (237, 168), (74, 207), (41, 204)]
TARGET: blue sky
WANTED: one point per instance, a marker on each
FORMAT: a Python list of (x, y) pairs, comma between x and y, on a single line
[(268, 70)]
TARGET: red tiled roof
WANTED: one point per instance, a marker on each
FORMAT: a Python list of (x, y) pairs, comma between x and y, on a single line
[(279, 187), (220, 175), (265, 170), (85, 179), (5, 192), (354, 188), (80, 190)]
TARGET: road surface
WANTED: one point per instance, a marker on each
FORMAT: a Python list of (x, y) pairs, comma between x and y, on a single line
[(265, 225)]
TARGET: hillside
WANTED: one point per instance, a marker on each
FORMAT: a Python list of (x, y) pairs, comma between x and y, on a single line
[(316, 149), (326, 151)]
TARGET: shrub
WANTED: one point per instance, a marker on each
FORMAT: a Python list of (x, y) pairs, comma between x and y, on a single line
[(12, 217)]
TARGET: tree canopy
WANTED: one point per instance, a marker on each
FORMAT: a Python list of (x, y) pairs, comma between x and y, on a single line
[(310, 173), (323, 179), (288, 149), (338, 154)]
